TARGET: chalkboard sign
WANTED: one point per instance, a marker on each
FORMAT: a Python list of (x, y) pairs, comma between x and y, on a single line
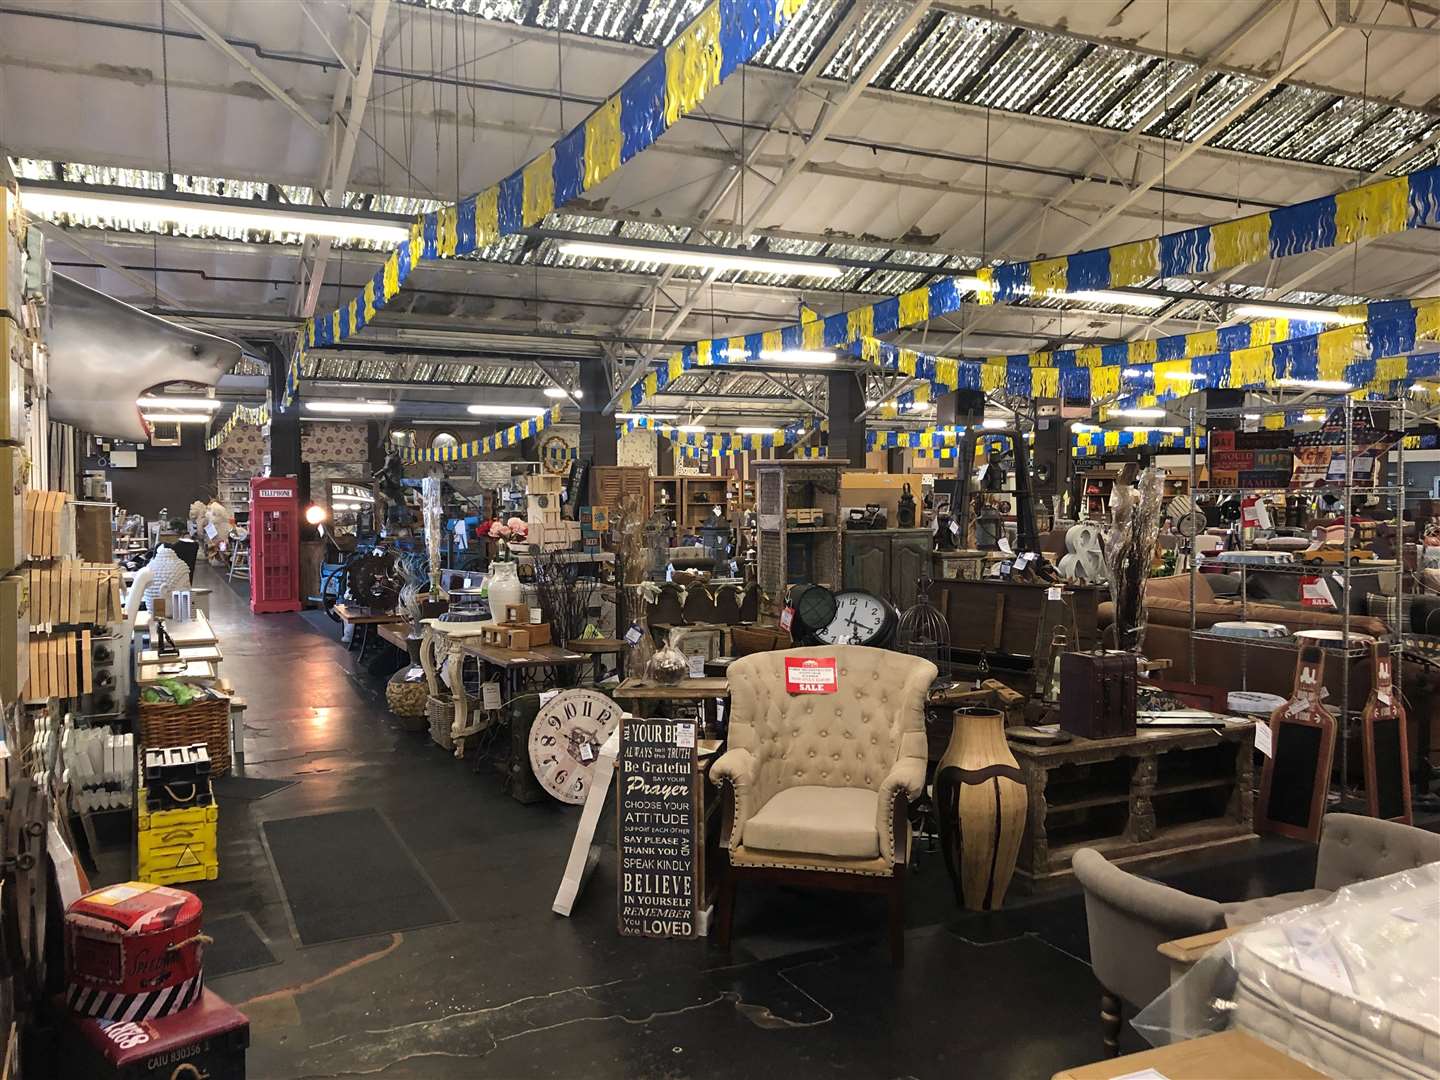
[(1296, 776), (1385, 743), (657, 821)]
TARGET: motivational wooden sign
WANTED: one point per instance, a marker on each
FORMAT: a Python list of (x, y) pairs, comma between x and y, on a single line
[(657, 823)]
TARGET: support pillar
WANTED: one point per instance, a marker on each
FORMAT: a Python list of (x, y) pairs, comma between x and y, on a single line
[(847, 432), (284, 425), (598, 442)]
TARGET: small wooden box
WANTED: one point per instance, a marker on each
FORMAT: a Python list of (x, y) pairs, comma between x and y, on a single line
[(516, 636), (545, 484)]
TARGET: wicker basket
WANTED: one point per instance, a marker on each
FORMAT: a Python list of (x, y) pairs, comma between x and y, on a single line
[(407, 700), (207, 721), (441, 712)]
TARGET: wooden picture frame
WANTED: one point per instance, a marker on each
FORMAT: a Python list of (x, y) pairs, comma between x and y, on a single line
[(1296, 776), (1385, 744)]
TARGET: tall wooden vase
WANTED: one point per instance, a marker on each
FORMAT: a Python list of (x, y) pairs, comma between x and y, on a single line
[(981, 805)]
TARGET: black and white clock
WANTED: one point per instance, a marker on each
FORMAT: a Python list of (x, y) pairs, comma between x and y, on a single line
[(565, 741), (861, 618)]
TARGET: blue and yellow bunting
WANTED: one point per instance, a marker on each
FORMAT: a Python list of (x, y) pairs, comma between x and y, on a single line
[(476, 448), (256, 416), (670, 85)]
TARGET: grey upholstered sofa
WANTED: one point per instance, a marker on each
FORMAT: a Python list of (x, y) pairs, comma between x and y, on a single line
[(1129, 917)]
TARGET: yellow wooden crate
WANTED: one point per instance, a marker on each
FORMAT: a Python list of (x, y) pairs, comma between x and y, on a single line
[(178, 845), (155, 875), (154, 820)]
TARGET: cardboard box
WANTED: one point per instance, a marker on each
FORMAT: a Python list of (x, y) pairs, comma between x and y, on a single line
[(12, 276), (1230, 1055), (884, 489), (12, 508), (14, 638), (13, 350)]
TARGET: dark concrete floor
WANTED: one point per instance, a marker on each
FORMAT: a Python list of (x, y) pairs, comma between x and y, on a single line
[(509, 989)]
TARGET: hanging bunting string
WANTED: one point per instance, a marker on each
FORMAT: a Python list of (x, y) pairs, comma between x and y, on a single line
[(256, 416), (1379, 209), (670, 85)]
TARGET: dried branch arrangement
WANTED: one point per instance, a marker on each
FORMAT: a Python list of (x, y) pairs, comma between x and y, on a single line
[(1130, 550)]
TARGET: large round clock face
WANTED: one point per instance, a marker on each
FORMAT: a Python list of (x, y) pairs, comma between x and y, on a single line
[(861, 618), (565, 741)]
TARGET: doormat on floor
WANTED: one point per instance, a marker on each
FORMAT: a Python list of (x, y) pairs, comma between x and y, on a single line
[(247, 788), (237, 946), (346, 874)]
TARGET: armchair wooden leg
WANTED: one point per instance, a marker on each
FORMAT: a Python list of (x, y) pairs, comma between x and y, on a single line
[(725, 907), (1110, 1021), (897, 918)]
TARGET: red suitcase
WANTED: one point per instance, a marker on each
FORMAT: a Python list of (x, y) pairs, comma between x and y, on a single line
[(206, 1040)]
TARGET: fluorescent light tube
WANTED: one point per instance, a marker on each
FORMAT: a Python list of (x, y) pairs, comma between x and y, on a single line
[(505, 410), (1168, 430), (176, 418), (994, 422), (1080, 425), (703, 260), (1315, 384), (354, 408), (647, 416), (756, 430), (1251, 416), (1141, 414), (1329, 316), (1109, 297), (161, 402), (797, 356), (1184, 376), (561, 392), (690, 427), (736, 354), (198, 214)]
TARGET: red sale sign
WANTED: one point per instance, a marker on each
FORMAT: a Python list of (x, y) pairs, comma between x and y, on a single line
[(1314, 593), (810, 675)]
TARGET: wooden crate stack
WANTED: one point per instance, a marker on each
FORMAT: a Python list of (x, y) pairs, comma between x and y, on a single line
[(546, 530)]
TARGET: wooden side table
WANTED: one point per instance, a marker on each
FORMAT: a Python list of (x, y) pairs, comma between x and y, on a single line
[(596, 649), (647, 695), (1230, 1055)]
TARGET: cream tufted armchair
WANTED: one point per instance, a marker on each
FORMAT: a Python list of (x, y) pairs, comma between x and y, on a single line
[(816, 786)]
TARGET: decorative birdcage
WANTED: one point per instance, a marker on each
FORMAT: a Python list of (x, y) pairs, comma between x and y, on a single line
[(924, 632)]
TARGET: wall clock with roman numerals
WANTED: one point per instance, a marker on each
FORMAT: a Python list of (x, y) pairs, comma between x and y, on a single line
[(565, 741)]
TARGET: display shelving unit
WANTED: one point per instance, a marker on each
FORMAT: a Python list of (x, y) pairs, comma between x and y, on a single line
[(1349, 649), (789, 554)]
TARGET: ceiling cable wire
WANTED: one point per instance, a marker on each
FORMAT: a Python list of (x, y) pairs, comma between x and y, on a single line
[(169, 155)]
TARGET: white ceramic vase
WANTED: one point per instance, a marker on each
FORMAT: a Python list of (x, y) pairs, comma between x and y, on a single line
[(504, 588)]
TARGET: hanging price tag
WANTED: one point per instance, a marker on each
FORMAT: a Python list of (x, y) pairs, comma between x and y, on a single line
[(1005, 546), (697, 666), (1054, 592), (634, 634), (1315, 593), (684, 734), (787, 617), (1264, 739), (490, 695)]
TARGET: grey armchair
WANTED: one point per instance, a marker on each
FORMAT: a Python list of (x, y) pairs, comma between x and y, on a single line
[(1129, 917)]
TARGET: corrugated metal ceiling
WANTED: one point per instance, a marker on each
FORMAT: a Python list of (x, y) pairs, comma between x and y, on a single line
[(967, 57)]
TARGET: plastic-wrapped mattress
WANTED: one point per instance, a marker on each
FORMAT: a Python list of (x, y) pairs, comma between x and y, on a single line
[(1350, 986)]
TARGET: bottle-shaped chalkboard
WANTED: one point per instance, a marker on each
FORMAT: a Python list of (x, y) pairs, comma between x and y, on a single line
[(1296, 776), (1385, 745)]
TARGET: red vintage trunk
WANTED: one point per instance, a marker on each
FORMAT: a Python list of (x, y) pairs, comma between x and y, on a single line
[(207, 1040), (132, 952), (274, 544)]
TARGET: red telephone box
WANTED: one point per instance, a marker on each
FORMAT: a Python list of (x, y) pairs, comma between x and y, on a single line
[(274, 544)]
